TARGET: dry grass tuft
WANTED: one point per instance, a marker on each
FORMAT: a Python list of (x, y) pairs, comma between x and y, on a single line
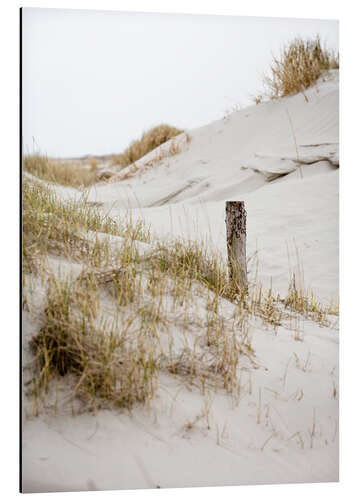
[(193, 260), (93, 163), (64, 173), (149, 141), (299, 66), (305, 303), (51, 226), (108, 368)]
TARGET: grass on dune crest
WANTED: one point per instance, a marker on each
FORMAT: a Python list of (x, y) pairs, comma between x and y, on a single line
[(113, 329), (299, 65), (149, 140)]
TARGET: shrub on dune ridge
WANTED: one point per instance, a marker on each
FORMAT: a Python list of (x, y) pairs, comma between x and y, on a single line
[(148, 141), (299, 66)]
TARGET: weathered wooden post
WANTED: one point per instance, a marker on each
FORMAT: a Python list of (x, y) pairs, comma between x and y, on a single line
[(236, 243)]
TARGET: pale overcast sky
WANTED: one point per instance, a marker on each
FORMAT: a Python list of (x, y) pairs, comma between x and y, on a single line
[(95, 80)]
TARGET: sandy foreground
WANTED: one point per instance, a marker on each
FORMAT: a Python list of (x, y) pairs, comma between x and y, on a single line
[(281, 158)]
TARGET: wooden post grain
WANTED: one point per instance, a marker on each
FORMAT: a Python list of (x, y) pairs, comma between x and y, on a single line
[(236, 243)]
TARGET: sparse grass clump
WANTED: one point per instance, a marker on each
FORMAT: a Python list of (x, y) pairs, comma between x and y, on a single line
[(299, 66), (64, 173), (50, 225), (193, 260), (148, 141), (190, 262), (109, 367), (305, 303)]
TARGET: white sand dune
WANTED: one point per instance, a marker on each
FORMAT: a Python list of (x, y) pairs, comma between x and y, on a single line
[(217, 152), (292, 205)]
